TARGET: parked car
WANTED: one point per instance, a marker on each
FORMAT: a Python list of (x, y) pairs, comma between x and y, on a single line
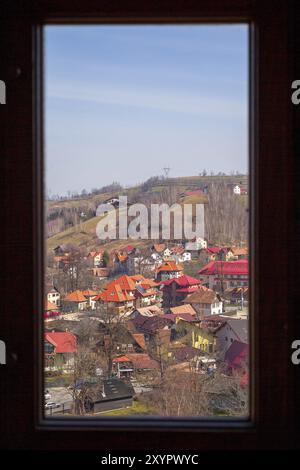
[(51, 405)]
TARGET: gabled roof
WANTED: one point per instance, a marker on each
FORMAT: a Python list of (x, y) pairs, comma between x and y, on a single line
[(186, 353), (187, 308), (125, 282), (236, 354), (138, 360), (50, 306), (151, 324), (225, 268), (62, 342), (93, 254), (141, 291), (149, 311), (180, 316), (203, 295), (89, 293), (114, 294), (140, 339), (169, 266), (76, 296), (182, 281), (240, 327), (239, 251), (214, 249)]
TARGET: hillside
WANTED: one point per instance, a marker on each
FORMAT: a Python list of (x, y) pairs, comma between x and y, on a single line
[(82, 233)]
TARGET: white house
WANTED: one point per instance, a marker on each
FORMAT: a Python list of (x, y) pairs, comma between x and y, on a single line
[(167, 253), (199, 244), (185, 257), (205, 301), (53, 296), (237, 189)]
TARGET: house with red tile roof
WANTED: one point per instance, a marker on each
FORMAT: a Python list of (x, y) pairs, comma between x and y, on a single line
[(59, 350), (128, 292), (118, 300), (74, 302), (220, 275), (176, 289), (168, 270)]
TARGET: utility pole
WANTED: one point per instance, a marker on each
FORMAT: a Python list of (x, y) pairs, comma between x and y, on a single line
[(166, 170)]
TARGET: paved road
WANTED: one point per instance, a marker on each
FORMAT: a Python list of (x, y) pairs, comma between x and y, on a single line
[(62, 396)]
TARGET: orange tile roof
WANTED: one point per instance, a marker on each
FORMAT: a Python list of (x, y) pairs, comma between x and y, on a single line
[(76, 296), (114, 294), (89, 293), (169, 266), (137, 277), (50, 306), (125, 282)]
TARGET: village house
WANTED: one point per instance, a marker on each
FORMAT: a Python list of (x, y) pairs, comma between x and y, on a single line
[(115, 299), (151, 327), (51, 310), (150, 311), (110, 394), (74, 302), (198, 244), (137, 291), (237, 295), (96, 258), (59, 350), (176, 289), (89, 294), (205, 302), (168, 270), (195, 247), (232, 330), (127, 365), (220, 275), (236, 253), (182, 309), (199, 338), (53, 296), (236, 357)]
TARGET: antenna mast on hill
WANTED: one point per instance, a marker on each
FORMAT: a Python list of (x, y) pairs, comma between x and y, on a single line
[(166, 170)]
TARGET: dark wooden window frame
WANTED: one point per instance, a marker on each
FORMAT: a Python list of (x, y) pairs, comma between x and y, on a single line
[(273, 322)]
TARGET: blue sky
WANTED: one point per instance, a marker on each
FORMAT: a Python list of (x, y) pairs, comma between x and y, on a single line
[(122, 102)]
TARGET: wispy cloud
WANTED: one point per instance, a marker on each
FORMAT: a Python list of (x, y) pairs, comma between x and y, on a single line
[(161, 100)]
